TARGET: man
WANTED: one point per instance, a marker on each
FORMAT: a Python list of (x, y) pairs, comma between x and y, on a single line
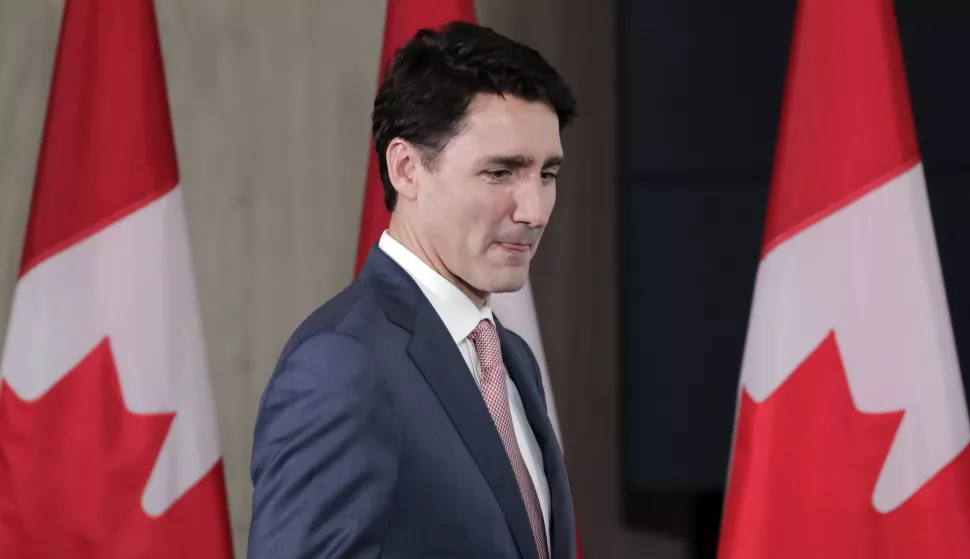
[(403, 420)]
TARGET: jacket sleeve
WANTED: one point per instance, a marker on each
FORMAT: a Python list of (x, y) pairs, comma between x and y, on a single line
[(325, 455)]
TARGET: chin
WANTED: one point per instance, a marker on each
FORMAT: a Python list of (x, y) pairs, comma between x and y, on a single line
[(509, 282)]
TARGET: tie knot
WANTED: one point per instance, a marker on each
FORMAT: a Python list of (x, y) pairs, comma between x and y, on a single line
[(485, 338)]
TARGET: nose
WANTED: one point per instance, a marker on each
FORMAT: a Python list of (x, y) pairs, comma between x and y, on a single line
[(533, 203)]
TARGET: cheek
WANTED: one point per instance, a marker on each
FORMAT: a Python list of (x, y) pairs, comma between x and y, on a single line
[(460, 217), (480, 207), (492, 214), (471, 215), (550, 199)]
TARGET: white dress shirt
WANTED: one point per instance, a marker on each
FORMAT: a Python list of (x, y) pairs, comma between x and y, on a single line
[(461, 316)]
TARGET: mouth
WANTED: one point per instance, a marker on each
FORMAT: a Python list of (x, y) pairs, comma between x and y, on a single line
[(516, 248)]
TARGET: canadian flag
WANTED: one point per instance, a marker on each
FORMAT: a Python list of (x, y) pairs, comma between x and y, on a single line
[(852, 435), (516, 310), (108, 442)]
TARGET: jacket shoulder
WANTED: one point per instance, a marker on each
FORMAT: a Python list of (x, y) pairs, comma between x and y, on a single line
[(355, 304)]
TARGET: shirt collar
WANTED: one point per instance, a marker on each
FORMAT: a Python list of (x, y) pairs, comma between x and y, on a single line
[(456, 310)]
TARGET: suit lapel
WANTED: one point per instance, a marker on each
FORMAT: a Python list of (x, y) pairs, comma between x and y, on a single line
[(441, 364), (561, 527)]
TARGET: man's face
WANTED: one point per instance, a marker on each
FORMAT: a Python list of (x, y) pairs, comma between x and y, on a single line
[(488, 199)]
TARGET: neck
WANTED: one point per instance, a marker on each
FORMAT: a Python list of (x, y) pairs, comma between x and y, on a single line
[(407, 236)]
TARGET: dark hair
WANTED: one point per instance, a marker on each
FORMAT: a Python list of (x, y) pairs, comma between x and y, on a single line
[(435, 76)]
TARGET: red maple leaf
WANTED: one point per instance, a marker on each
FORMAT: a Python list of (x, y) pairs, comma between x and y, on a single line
[(805, 466), (74, 465)]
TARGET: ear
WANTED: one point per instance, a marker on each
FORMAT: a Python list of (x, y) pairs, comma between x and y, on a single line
[(402, 162)]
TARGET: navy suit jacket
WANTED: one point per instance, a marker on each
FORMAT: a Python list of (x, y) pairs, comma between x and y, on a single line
[(373, 440)]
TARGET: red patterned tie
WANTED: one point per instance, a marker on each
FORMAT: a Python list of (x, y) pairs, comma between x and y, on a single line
[(496, 397)]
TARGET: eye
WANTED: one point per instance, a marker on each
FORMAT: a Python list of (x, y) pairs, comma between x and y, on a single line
[(498, 175), (548, 176)]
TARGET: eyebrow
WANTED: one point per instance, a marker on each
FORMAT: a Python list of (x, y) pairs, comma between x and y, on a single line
[(520, 161)]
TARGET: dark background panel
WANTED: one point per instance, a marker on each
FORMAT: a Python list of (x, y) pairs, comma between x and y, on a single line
[(692, 252), (702, 84), (935, 35), (950, 205)]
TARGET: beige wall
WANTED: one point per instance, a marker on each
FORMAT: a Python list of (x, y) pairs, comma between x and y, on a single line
[(270, 102)]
